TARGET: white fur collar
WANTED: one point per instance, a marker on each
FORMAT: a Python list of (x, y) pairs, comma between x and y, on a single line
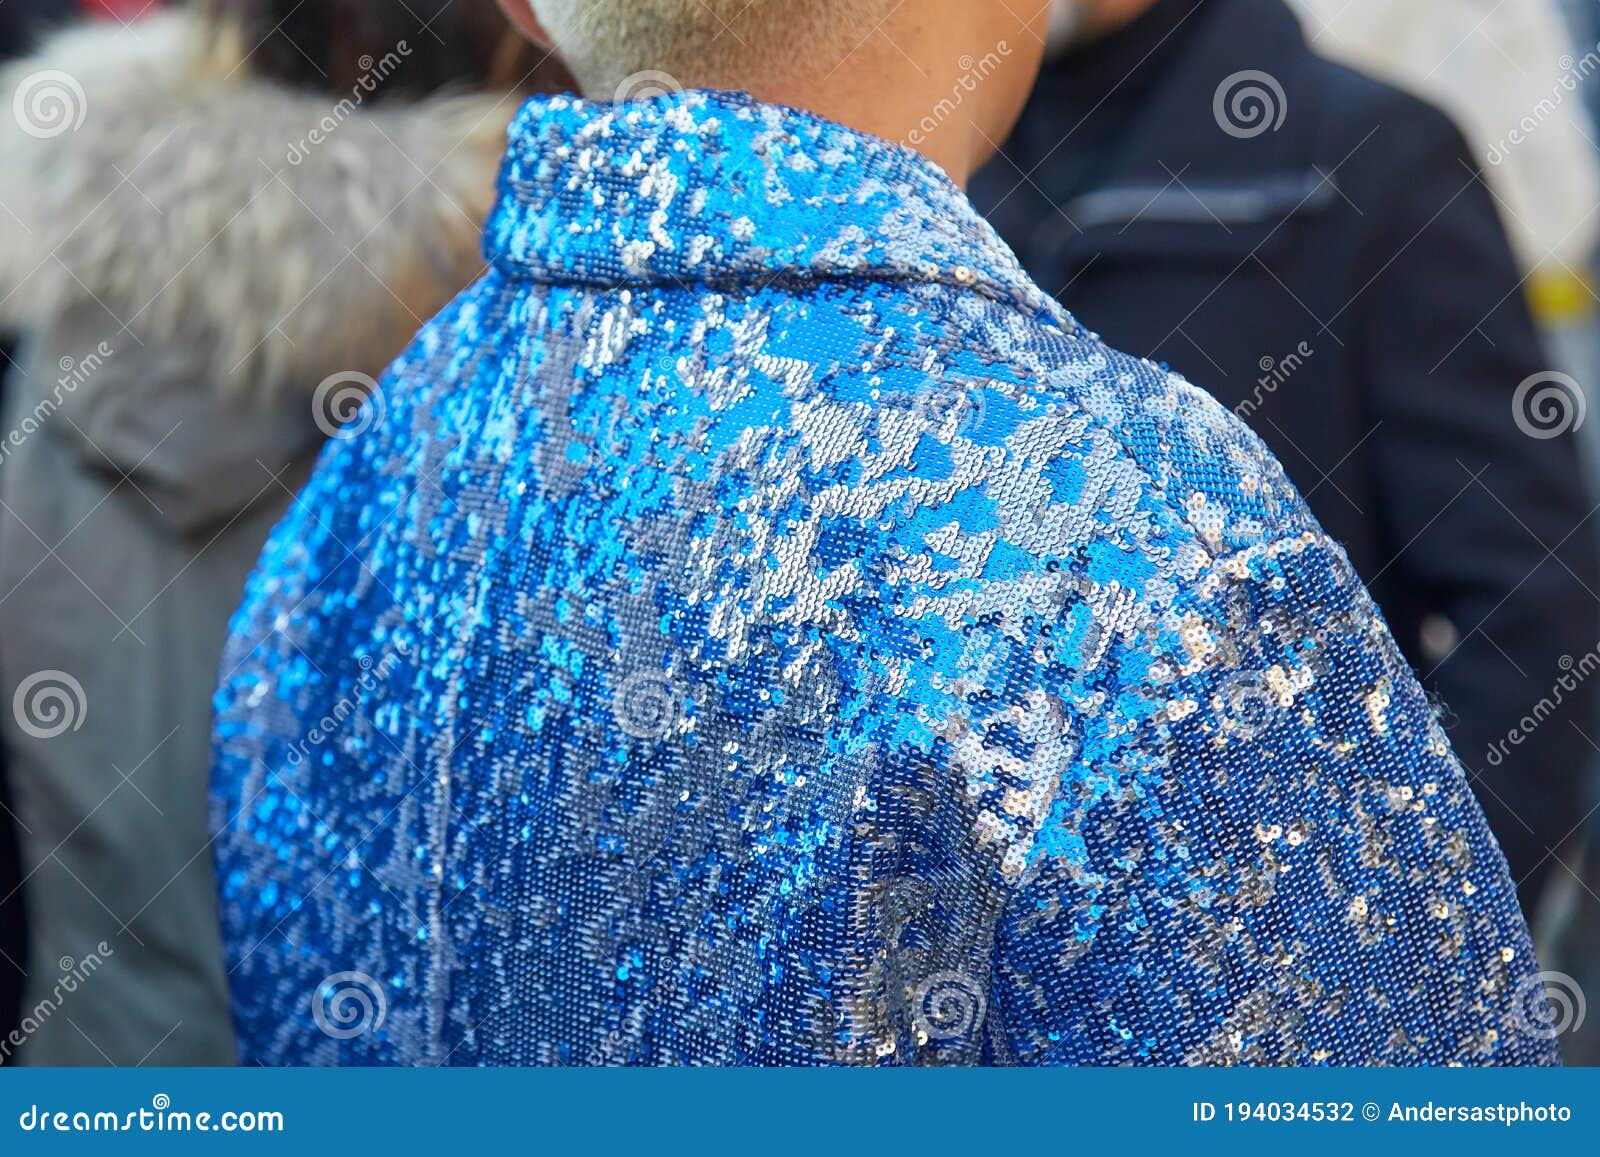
[(175, 205)]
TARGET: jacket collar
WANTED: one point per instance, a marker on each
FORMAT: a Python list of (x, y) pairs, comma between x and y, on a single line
[(715, 187)]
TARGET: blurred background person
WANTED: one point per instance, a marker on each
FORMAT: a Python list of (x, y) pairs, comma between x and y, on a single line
[(224, 218), (22, 22), (1185, 164), (1512, 76), (1521, 83)]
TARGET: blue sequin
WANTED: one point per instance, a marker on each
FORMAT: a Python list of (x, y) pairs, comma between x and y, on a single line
[(754, 624)]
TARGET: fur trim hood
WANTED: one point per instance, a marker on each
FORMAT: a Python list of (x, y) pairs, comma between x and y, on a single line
[(287, 235)]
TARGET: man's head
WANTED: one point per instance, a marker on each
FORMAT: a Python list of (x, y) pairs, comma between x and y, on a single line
[(718, 42), (948, 76)]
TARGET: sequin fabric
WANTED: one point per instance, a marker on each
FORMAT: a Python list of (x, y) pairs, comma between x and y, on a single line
[(755, 625)]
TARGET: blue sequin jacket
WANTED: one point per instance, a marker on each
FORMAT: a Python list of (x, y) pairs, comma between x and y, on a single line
[(754, 624)]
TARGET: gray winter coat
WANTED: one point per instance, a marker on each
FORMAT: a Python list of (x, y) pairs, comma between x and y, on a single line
[(190, 254)]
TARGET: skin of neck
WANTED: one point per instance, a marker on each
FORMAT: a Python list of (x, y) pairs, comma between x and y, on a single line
[(949, 80), (945, 77), (1103, 17)]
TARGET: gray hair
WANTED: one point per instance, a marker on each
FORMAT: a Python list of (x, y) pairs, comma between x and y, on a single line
[(619, 49)]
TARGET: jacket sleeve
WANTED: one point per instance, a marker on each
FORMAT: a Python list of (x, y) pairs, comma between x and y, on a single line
[(1267, 854), (1486, 519)]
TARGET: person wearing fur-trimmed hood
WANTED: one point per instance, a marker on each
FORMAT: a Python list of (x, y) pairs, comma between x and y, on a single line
[(221, 222)]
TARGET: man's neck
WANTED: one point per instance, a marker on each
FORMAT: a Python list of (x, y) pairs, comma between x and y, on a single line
[(915, 80), (897, 115)]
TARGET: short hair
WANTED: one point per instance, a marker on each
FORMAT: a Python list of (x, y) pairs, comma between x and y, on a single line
[(613, 46)]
